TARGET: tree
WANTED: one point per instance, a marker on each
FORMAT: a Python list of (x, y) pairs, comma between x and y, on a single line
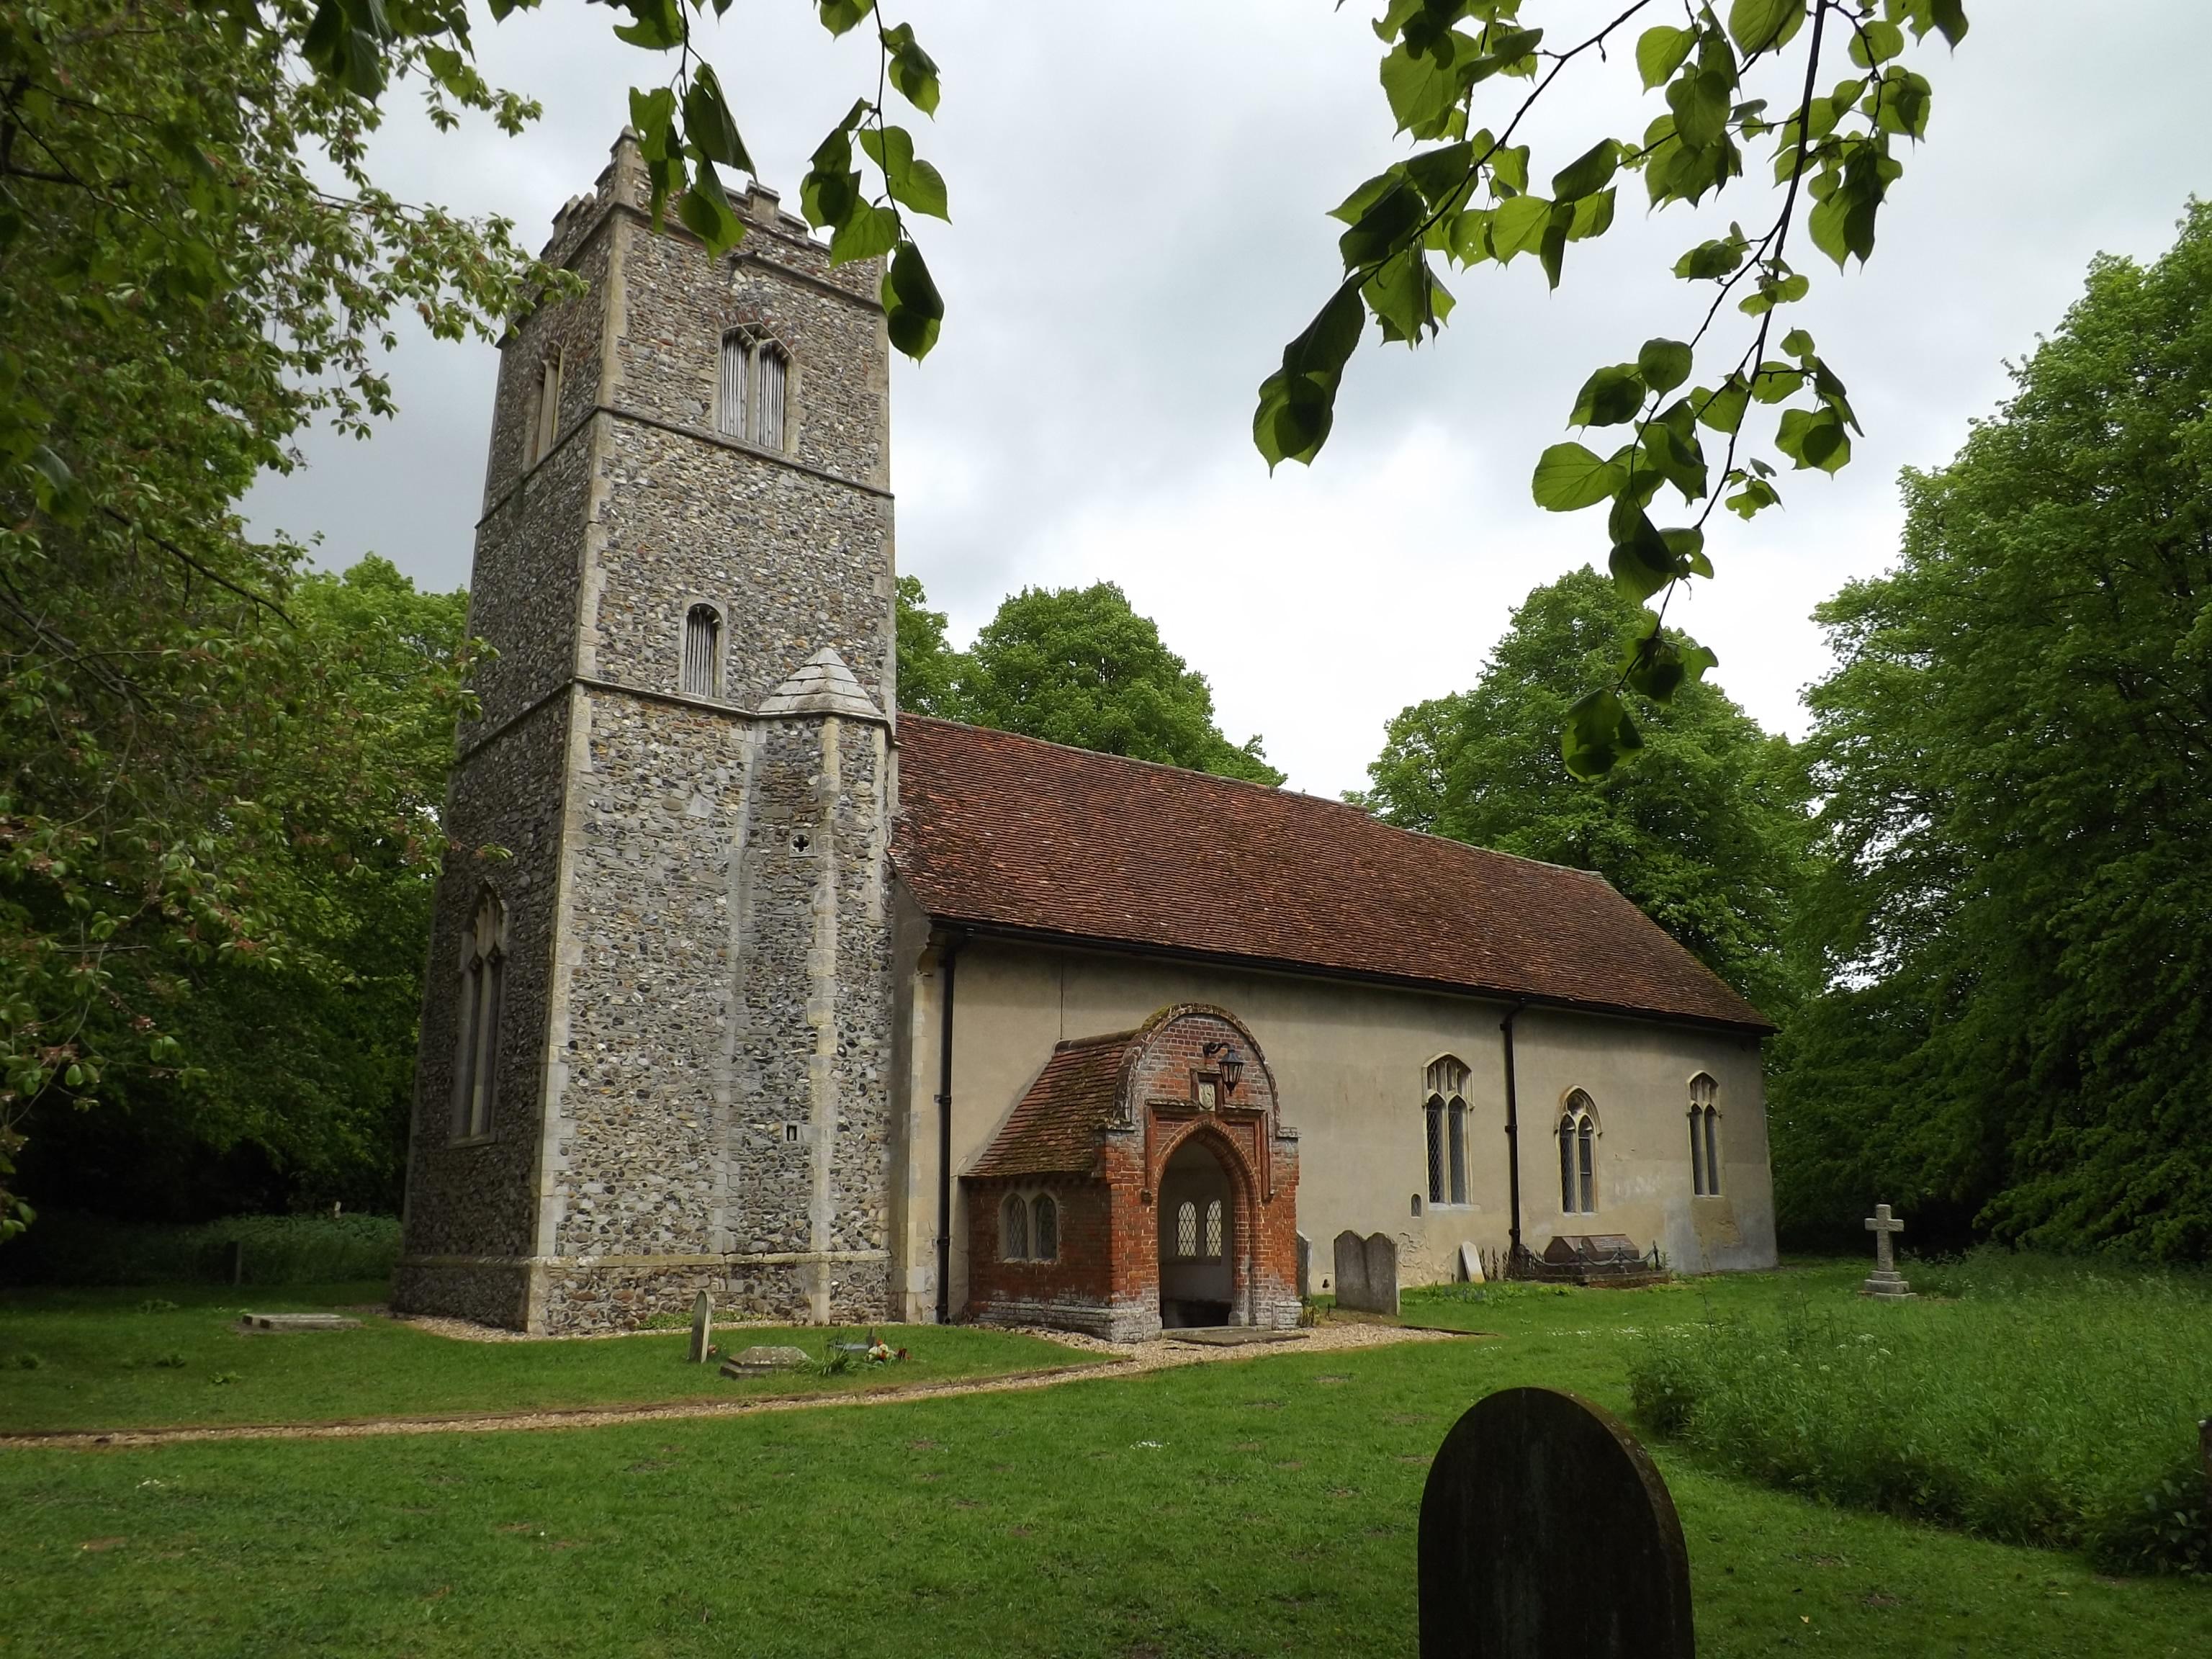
[(1073, 665), (928, 668), (193, 264), (298, 1061), (1469, 200), (2017, 838), (1706, 833)]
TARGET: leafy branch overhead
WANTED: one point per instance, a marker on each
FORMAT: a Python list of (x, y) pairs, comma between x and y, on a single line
[(1468, 198)]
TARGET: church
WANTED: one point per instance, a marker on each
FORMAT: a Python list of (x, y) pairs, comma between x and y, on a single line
[(743, 981)]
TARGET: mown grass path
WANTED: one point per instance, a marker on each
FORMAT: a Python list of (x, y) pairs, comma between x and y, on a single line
[(1259, 1508)]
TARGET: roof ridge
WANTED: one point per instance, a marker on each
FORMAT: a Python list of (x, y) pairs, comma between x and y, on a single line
[(1067, 1044)]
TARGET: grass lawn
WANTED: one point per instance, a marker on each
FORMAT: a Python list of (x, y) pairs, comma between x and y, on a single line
[(1264, 1506), (104, 1362)]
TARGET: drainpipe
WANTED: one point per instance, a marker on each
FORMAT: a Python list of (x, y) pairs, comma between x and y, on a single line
[(1512, 1136), (946, 961)]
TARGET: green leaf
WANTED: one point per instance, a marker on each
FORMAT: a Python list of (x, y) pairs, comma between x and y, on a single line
[(1665, 364), (1700, 103), (1405, 297), (1385, 226), (706, 212), (1439, 174), (1587, 173), (868, 233), (914, 72), (842, 16), (708, 124), (659, 25), (1723, 409), (1874, 42), (1422, 87), (1660, 51), (1509, 167), (1552, 249), (1592, 216), (1598, 735), (1813, 438), (1608, 397), (912, 183), (1518, 224), (1297, 403), (1712, 259), (1775, 382), (914, 311), (1762, 25), (831, 189), (1568, 477), (1950, 17)]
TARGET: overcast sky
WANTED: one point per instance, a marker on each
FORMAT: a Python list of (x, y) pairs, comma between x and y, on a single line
[(1137, 192)]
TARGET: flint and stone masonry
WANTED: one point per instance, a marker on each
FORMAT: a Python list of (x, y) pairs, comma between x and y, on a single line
[(694, 1040)]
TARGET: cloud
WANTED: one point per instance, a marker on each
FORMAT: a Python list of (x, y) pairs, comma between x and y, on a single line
[(1138, 195)]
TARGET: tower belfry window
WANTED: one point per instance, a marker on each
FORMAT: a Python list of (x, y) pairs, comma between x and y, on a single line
[(483, 989), (702, 652), (750, 394), (545, 419)]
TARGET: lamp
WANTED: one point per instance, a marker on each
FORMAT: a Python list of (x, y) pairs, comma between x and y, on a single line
[(1232, 1064)]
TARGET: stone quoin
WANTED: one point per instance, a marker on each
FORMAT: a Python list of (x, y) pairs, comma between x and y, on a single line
[(741, 982)]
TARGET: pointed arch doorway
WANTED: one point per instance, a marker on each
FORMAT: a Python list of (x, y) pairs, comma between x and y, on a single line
[(1201, 1238)]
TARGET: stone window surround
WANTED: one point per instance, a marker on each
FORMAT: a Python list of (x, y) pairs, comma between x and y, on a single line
[(1439, 1072), (687, 603), (1579, 1109), (1707, 1166), (1029, 1199), (483, 948), (756, 338)]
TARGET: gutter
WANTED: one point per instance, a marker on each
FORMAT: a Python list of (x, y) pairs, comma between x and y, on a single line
[(945, 964), (1512, 1136)]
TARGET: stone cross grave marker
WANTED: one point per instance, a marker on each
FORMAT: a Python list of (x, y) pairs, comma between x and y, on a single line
[(1885, 1281), (1548, 1534), (702, 1327)]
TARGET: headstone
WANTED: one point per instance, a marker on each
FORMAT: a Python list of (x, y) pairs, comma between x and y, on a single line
[(1470, 1262), (1548, 1534), (760, 1362), (273, 1323), (702, 1327), (1305, 1266), (1885, 1282), (1382, 1273), (1351, 1270)]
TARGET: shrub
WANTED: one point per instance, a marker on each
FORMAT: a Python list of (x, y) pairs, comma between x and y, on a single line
[(68, 1249), (2051, 1403)]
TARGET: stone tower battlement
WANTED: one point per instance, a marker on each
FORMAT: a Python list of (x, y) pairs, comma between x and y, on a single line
[(656, 1032)]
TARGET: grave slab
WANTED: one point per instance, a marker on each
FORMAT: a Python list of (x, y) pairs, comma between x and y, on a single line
[(275, 1324), (761, 1361)]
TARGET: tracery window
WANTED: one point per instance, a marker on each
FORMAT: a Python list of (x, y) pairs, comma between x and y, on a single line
[(1445, 1115), (1186, 1231), (749, 393), (1704, 1136), (483, 985), (702, 651), (1578, 1156)]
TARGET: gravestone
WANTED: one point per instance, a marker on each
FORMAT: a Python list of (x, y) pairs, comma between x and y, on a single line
[(1305, 1266), (1351, 1270), (1381, 1273), (1548, 1534), (702, 1327), (1885, 1282), (1470, 1262)]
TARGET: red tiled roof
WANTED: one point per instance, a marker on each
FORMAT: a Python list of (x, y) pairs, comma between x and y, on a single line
[(1006, 832), (1055, 1128)]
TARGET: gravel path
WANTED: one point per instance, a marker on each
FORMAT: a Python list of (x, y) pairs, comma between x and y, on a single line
[(1106, 1359)]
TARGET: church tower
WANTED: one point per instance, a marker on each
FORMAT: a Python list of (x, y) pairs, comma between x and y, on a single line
[(656, 1036)]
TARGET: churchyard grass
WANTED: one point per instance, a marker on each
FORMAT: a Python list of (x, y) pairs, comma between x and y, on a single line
[(1254, 1507), (173, 1355), (2033, 1401)]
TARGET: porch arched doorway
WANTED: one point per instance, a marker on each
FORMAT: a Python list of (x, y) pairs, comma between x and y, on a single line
[(1200, 1239)]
